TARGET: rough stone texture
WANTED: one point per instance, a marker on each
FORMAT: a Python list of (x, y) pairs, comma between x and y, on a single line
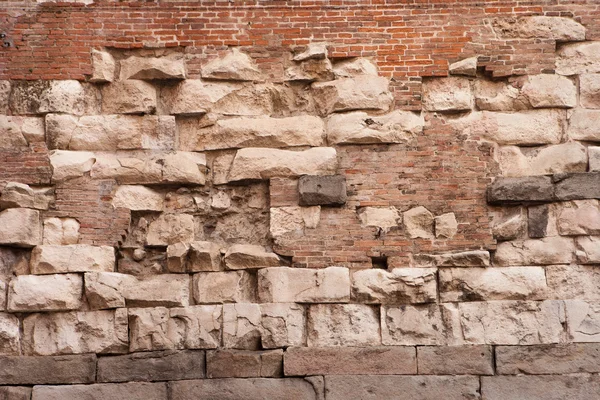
[(288, 285), (70, 164), (594, 158), (293, 220), (546, 90), (45, 293), (342, 325), (247, 256), (362, 92), (579, 217), (322, 190), (105, 391), (476, 284), (578, 58), (513, 322), (4, 96), (235, 66), (466, 67), (15, 195), (567, 157), (18, 132), (402, 387), (150, 68), (60, 96), (546, 251), (560, 29), (61, 231), (540, 387), (166, 365), (588, 250), (283, 325), (583, 125), (138, 198), (540, 221), (241, 326), (49, 259), (169, 290), (527, 128), (383, 218), (573, 282), (262, 163), (315, 51), (519, 190), (300, 361), (474, 258), (450, 94), (252, 389), (446, 226), (103, 66), (398, 286), (244, 364), (10, 337), (194, 257), (102, 332), (360, 128), (15, 393), (583, 320), (548, 359), (106, 289), (418, 223), (455, 360), (310, 70), (195, 97), (223, 287), (129, 97), (28, 370), (170, 229), (20, 227), (589, 90), (575, 186), (353, 67)]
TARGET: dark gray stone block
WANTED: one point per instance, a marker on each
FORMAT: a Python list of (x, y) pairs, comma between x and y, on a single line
[(39, 370), (519, 190), (322, 190)]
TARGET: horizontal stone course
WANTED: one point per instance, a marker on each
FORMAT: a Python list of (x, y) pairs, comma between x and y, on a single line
[(104, 391), (47, 370), (455, 360), (548, 359), (244, 364), (566, 387)]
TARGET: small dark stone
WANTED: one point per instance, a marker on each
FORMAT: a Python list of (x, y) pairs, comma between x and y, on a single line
[(519, 190), (322, 190), (537, 221)]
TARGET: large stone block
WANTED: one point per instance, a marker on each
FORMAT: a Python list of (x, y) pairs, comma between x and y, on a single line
[(583, 320), (62, 96), (301, 285), (578, 58), (584, 125), (519, 190), (450, 94), (588, 250), (574, 186), (526, 128), (31, 370), (580, 282), (262, 163), (70, 164), (224, 287), (49, 259), (347, 68), (475, 284), (303, 361), (342, 325), (249, 389), (589, 90), (322, 190), (61, 231), (519, 161), (152, 68), (18, 132), (129, 97), (560, 29), (465, 67), (235, 66), (383, 218), (546, 251), (244, 364), (513, 322), (194, 96), (309, 70), (20, 227), (360, 128), (345, 387), (241, 326), (398, 286), (10, 337), (103, 66), (27, 293), (304, 130), (169, 229), (104, 391), (248, 256), (293, 220), (105, 290), (17, 195), (76, 332), (471, 258), (557, 387), (138, 198), (169, 290), (594, 158), (553, 359), (363, 92), (579, 217), (194, 257), (282, 325), (455, 360), (166, 365), (418, 223)]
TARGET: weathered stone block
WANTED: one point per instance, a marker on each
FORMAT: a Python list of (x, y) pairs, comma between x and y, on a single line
[(235, 66), (588, 250), (241, 326), (309, 70), (343, 325), (18, 132), (103, 332), (10, 337), (560, 29), (151, 68), (20, 227), (583, 125), (282, 325), (519, 190), (302, 361), (169, 290), (61, 231), (138, 198), (575, 186), (16, 195), (398, 286), (194, 96), (579, 217), (566, 157), (362, 92), (194, 257), (103, 66), (293, 220), (594, 158), (262, 163), (153, 366), (288, 285), (28, 293), (104, 391), (49, 259), (313, 51), (129, 97), (547, 90), (589, 90), (384, 218), (578, 58), (4, 96), (418, 223), (360, 128), (252, 389), (573, 282), (105, 290), (224, 287), (27, 370), (402, 387), (348, 68), (322, 190), (61, 96), (513, 322), (551, 359), (455, 360), (15, 393), (450, 94), (169, 229), (540, 387), (472, 258), (526, 128), (466, 67), (583, 320), (247, 256), (244, 364), (546, 251), (70, 164), (446, 226), (475, 284)]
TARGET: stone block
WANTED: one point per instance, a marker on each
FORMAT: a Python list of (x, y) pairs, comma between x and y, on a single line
[(583, 320), (293, 220), (60, 96), (194, 257), (138, 198), (27, 293), (16, 132), (303, 361), (168, 290), (101, 332), (10, 337), (309, 70), (579, 217), (360, 128), (21, 227), (129, 97), (244, 364), (345, 387), (471, 258), (560, 29), (575, 186), (455, 360), (168, 365), (13, 262), (578, 58), (4, 96), (322, 190), (451, 94), (526, 128), (105, 290), (15, 393), (465, 67), (594, 158), (580, 282), (224, 287), (70, 164), (152, 68), (583, 125), (282, 325), (348, 68), (103, 66), (247, 256), (194, 96), (262, 163), (104, 391), (234, 66), (548, 359), (313, 51), (541, 221), (343, 325), (418, 223), (384, 218), (560, 158), (362, 92), (513, 322), (169, 229), (482, 284), (241, 326), (519, 190), (589, 90), (300, 285), (540, 387), (47, 370), (398, 286), (588, 250), (547, 90), (61, 231), (50, 259), (545, 251), (16, 195)]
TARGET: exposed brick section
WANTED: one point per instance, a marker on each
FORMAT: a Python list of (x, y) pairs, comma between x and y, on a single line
[(31, 166)]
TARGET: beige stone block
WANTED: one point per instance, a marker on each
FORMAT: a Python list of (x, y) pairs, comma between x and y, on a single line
[(27, 293), (524, 161), (152, 68), (21, 227), (247, 256), (455, 360), (446, 226), (383, 218), (348, 68), (589, 90), (235, 66), (224, 287), (418, 223), (168, 229), (362, 92), (242, 326), (540, 387), (560, 29), (548, 359), (398, 286), (449, 94), (578, 58), (588, 249), (545, 251), (10, 337), (103, 66), (282, 325), (61, 231), (70, 164), (584, 125), (50, 259), (342, 325), (107, 391), (293, 220), (18, 132), (131, 96), (138, 198)]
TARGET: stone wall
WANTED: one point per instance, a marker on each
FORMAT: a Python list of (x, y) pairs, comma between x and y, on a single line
[(172, 230)]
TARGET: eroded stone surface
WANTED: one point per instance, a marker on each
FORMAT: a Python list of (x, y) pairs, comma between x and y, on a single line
[(398, 286), (354, 67), (567, 157), (51, 259), (151, 68), (235, 65), (194, 257), (466, 67), (138, 198), (455, 360), (583, 125), (10, 337), (61, 231), (18, 132), (244, 364), (36, 370), (245, 256), (241, 326), (62, 292), (363, 92), (547, 359), (286, 285), (322, 190), (17, 195), (540, 387), (473, 258), (561, 29), (589, 90), (20, 227), (418, 223), (223, 287), (579, 217), (130, 96), (108, 391), (546, 251), (70, 164), (282, 325), (588, 250), (578, 58), (450, 94), (446, 226), (103, 66), (383, 218), (342, 325), (169, 229)]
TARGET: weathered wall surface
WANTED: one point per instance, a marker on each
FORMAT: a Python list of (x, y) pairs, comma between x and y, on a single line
[(300, 200)]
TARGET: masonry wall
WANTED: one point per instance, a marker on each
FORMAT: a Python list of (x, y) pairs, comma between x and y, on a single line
[(320, 200)]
